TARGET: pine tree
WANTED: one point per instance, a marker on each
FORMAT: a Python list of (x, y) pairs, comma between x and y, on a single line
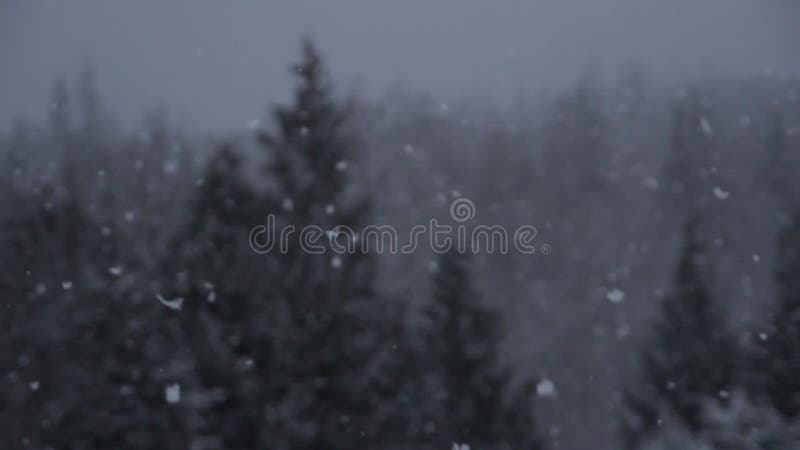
[(474, 403), (691, 356), (76, 375), (777, 362), (224, 204), (331, 350), (224, 315)]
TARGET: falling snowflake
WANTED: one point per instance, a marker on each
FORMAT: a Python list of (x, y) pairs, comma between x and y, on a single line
[(615, 295), (706, 127), (115, 270), (720, 194), (172, 393), (546, 388), (174, 304), (66, 285)]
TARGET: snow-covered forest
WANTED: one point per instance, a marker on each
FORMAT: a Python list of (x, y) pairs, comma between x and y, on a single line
[(664, 313)]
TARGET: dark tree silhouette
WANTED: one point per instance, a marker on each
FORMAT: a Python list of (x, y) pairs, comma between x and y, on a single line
[(472, 399), (226, 306), (78, 376), (691, 356), (331, 353), (777, 362)]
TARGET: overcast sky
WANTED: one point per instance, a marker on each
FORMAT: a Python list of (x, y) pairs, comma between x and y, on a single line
[(216, 64)]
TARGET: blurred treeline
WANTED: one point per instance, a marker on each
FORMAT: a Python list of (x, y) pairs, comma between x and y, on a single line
[(136, 315)]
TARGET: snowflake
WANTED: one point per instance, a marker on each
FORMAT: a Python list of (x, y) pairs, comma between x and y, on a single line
[(172, 393), (615, 296)]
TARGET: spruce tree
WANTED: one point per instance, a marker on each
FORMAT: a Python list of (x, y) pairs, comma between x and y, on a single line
[(777, 361), (331, 351), (225, 311), (109, 388), (690, 357), (473, 400), (77, 376)]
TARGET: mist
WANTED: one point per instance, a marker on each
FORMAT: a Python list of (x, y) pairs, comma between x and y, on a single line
[(216, 65), (649, 151)]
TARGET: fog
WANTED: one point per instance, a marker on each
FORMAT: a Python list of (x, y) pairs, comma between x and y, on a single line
[(650, 151), (216, 64)]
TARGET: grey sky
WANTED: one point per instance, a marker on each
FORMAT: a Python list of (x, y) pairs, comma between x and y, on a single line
[(216, 64)]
